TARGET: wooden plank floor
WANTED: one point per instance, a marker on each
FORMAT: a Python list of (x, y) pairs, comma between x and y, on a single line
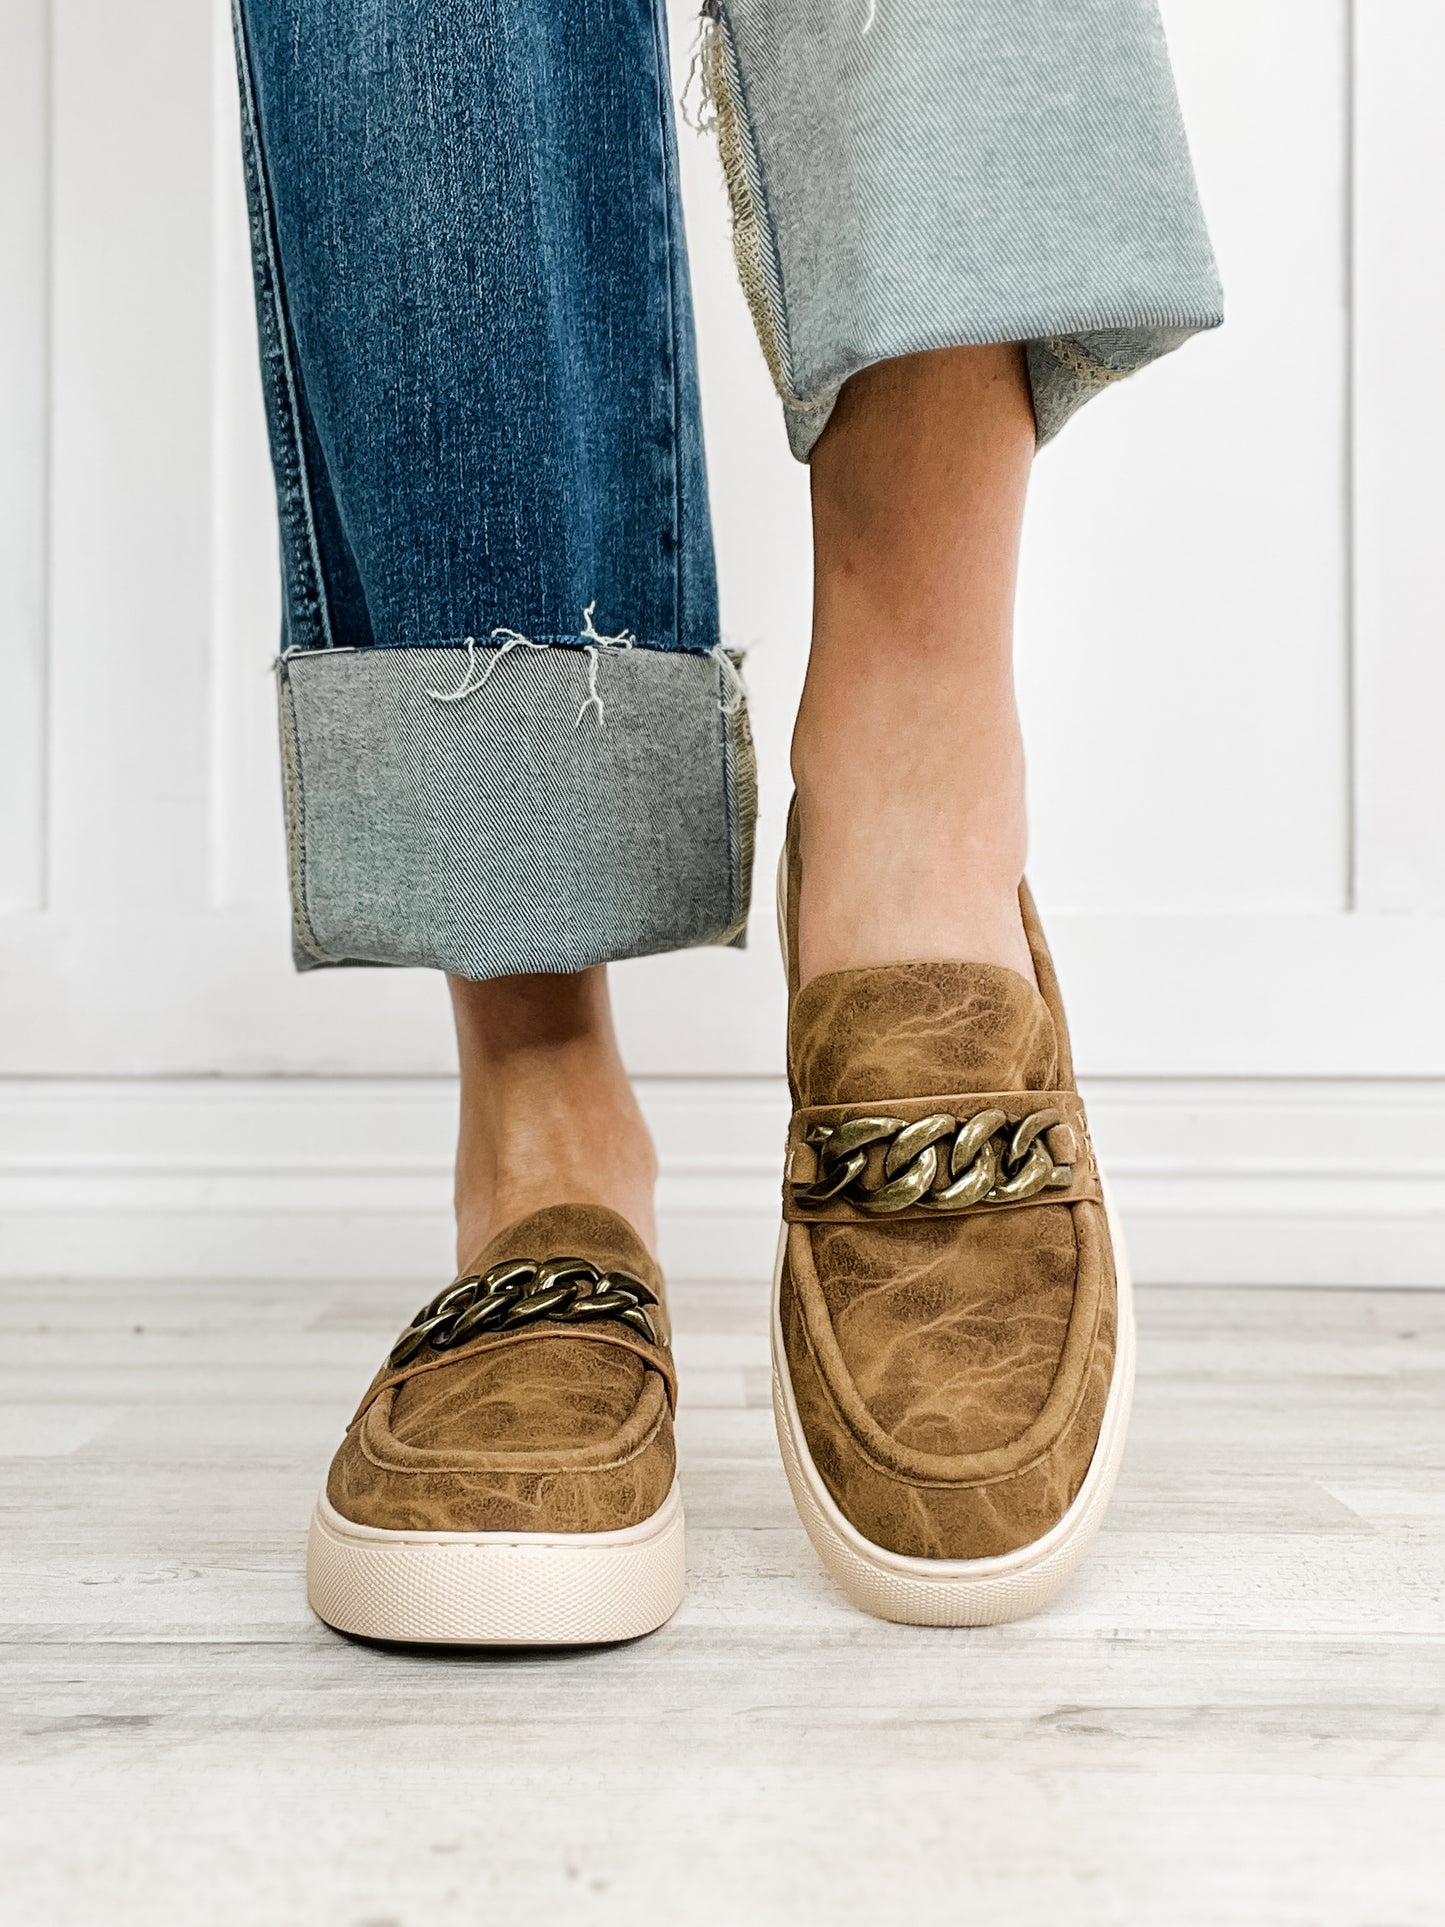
[(1234, 1716)]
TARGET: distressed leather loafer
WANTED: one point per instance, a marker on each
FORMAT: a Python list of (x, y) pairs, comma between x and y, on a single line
[(510, 1477), (953, 1337)]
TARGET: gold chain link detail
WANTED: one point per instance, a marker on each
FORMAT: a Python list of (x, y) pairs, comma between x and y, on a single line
[(940, 1163), (519, 1291)]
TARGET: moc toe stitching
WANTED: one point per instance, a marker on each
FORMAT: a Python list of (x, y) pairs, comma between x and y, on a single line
[(1056, 1417), (944, 1518), (388, 1453)]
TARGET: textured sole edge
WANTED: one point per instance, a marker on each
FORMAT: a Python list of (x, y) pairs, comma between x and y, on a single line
[(957, 1592), (496, 1588)]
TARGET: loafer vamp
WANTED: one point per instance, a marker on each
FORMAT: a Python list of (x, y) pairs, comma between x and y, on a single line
[(542, 1396), (951, 1332), (539, 1430), (951, 1380), (950, 1371)]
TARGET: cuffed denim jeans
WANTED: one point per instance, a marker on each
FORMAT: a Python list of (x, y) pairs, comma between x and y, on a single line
[(511, 740)]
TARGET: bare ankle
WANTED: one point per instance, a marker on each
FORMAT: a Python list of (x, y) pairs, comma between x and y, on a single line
[(907, 753), (547, 1113), (913, 835), (904, 891)]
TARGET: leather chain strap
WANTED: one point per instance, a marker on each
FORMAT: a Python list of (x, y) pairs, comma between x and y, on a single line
[(938, 1163), (520, 1291)]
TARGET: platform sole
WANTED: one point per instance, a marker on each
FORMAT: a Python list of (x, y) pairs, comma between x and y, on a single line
[(496, 1588)]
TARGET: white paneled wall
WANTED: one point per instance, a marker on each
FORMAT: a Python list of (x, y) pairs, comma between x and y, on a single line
[(1232, 649), (24, 387)]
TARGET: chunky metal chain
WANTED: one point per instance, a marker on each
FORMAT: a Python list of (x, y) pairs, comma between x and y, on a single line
[(940, 1163), (519, 1291)]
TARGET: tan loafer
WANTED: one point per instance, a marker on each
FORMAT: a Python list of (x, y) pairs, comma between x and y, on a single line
[(953, 1340), (510, 1476)]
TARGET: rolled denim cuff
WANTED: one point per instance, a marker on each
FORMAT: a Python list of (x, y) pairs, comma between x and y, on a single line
[(509, 810), (906, 177)]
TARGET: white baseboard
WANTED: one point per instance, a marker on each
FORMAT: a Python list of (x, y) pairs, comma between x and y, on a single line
[(1234, 1181)]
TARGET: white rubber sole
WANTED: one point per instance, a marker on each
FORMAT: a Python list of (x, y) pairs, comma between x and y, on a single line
[(496, 1588), (957, 1592)]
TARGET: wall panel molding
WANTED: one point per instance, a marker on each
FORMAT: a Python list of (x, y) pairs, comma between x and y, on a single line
[(1231, 1181)]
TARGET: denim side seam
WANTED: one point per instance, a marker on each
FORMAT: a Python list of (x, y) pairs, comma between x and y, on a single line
[(740, 792), (1066, 371), (307, 951), (278, 371), (664, 188), (755, 249), (1077, 358)]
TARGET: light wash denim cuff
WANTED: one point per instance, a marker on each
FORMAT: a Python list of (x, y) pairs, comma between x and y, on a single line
[(916, 174), (500, 811)]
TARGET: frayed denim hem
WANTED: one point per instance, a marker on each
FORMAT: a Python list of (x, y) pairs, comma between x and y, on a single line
[(568, 808)]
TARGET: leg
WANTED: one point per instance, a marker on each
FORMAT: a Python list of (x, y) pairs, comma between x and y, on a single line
[(547, 1114), (907, 756), (477, 347), (953, 1372), (506, 751), (1042, 194), (952, 1340), (501, 718)]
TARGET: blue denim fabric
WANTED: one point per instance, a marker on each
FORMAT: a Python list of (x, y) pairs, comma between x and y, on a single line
[(477, 350), (916, 174), (476, 321)]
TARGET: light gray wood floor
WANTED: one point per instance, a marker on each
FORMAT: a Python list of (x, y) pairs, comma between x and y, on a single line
[(1234, 1716)]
